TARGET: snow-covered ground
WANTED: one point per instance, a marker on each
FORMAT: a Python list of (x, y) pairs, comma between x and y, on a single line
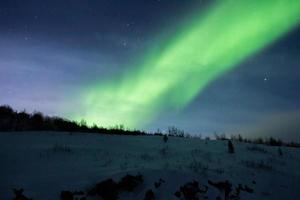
[(44, 164)]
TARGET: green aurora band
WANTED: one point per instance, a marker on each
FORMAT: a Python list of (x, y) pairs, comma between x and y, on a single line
[(173, 73)]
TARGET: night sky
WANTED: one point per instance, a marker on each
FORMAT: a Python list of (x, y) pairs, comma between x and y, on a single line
[(84, 59)]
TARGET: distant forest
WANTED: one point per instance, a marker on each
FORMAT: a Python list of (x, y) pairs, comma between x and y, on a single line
[(11, 120)]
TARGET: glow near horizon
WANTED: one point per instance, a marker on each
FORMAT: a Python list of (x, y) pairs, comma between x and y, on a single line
[(169, 78)]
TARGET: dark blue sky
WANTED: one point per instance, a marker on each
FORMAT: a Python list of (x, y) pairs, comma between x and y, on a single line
[(49, 49)]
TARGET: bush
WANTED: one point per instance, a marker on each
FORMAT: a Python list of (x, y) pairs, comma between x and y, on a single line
[(230, 147), (207, 139), (130, 182), (19, 195), (165, 138), (107, 189), (66, 195), (149, 195)]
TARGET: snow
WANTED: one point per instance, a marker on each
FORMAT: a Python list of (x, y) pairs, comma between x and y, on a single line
[(45, 163)]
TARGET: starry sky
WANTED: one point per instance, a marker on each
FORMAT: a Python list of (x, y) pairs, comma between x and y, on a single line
[(53, 53)]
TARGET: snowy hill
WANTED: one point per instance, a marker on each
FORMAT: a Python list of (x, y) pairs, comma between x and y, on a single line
[(47, 163)]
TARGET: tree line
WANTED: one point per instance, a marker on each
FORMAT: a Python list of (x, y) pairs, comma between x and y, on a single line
[(11, 120)]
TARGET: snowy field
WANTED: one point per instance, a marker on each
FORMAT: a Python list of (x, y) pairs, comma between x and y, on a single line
[(44, 164)]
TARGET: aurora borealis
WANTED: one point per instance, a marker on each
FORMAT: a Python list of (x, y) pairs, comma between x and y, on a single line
[(204, 66), (177, 70)]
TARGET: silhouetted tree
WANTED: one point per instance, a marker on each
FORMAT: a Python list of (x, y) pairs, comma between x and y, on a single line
[(37, 121), (22, 121), (173, 131), (7, 117)]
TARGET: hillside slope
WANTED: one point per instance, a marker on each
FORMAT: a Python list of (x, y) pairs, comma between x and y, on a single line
[(46, 163)]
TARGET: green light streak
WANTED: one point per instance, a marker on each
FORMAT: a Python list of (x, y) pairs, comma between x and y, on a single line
[(169, 78)]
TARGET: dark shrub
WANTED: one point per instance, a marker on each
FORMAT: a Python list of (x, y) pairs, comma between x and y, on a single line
[(222, 186), (129, 182), (158, 183), (66, 195), (190, 191), (19, 195), (149, 195), (107, 189), (230, 147), (165, 138), (177, 194), (240, 138)]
